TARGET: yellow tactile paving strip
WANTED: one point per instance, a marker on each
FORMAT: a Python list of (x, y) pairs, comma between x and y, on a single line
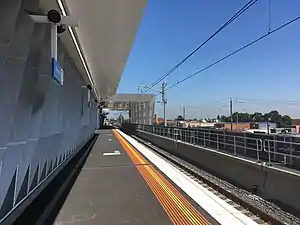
[(177, 207)]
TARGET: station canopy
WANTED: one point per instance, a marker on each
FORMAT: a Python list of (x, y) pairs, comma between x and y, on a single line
[(100, 45)]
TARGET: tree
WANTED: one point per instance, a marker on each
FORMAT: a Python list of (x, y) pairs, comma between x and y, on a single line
[(244, 117), (272, 116), (257, 117), (218, 117), (285, 121), (225, 119)]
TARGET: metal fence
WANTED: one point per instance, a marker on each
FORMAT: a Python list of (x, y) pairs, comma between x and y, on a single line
[(272, 149)]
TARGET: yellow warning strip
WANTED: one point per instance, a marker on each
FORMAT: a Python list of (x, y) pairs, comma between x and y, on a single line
[(134, 156), (177, 207), (182, 203), (166, 203)]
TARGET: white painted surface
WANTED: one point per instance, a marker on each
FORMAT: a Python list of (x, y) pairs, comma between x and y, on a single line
[(221, 211), (112, 153)]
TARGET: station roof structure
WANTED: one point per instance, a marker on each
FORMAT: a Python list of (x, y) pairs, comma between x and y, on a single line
[(101, 44)]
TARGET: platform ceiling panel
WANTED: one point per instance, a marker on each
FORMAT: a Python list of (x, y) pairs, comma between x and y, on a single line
[(106, 33)]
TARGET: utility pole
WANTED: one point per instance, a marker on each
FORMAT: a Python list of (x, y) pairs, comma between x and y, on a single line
[(237, 120), (231, 119), (183, 113), (164, 100)]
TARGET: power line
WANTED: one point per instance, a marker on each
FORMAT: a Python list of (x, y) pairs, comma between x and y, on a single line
[(265, 101), (235, 52), (269, 16), (220, 103), (234, 17), (241, 11)]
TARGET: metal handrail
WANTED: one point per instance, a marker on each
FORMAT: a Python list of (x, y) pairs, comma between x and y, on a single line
[(187, 134), (268, 148), (205, 138)]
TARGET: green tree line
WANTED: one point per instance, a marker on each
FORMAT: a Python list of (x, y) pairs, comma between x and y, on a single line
[(272, 116)]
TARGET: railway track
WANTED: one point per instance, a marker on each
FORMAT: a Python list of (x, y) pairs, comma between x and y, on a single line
[(258, 209)]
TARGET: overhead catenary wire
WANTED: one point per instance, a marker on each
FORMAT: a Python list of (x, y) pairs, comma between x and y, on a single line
[(235, 52), (240, 12), (234, 17), (215, 103), (267, 101), (269, 16)]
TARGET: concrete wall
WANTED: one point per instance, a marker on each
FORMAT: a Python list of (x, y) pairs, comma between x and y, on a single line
[(41, 122), (273, 184), (129, 128)]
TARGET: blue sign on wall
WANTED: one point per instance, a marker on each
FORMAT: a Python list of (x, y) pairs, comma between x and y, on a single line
[(57, 72)]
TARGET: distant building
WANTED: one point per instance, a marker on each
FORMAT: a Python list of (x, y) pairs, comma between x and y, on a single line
[(296, 124), (263, 125), (159, 121), (207, 124), (235, 126), (243, 126), (295, 121), (194, 124)]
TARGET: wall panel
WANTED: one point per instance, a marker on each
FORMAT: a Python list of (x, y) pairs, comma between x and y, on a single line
[(41, 122)]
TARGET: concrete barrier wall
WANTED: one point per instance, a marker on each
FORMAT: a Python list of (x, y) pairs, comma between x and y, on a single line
[(274, 184), (129, 128), (247, 143)]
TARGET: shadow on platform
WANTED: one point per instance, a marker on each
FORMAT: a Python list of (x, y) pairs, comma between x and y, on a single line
[(40, 206)]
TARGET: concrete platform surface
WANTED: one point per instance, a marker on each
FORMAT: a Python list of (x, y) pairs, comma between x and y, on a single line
[(110, 191)]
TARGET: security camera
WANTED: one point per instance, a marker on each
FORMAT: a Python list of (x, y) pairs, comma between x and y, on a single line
[(89, 87), (61, 29), (54, 16)]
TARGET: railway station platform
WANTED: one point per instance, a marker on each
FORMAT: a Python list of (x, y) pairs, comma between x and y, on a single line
[(117, 185), (123, 182)]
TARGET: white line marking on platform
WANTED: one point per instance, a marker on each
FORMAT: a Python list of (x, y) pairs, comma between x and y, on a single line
[(16, 143), (112, 153), (221, 211), (33, 139)]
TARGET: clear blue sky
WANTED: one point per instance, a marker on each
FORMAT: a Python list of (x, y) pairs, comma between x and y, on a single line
[(170, 29)]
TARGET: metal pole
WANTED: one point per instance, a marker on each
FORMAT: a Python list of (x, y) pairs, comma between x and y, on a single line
[(231, 119), (237, 120), (165, 119), (54, 41), (164, 100)]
